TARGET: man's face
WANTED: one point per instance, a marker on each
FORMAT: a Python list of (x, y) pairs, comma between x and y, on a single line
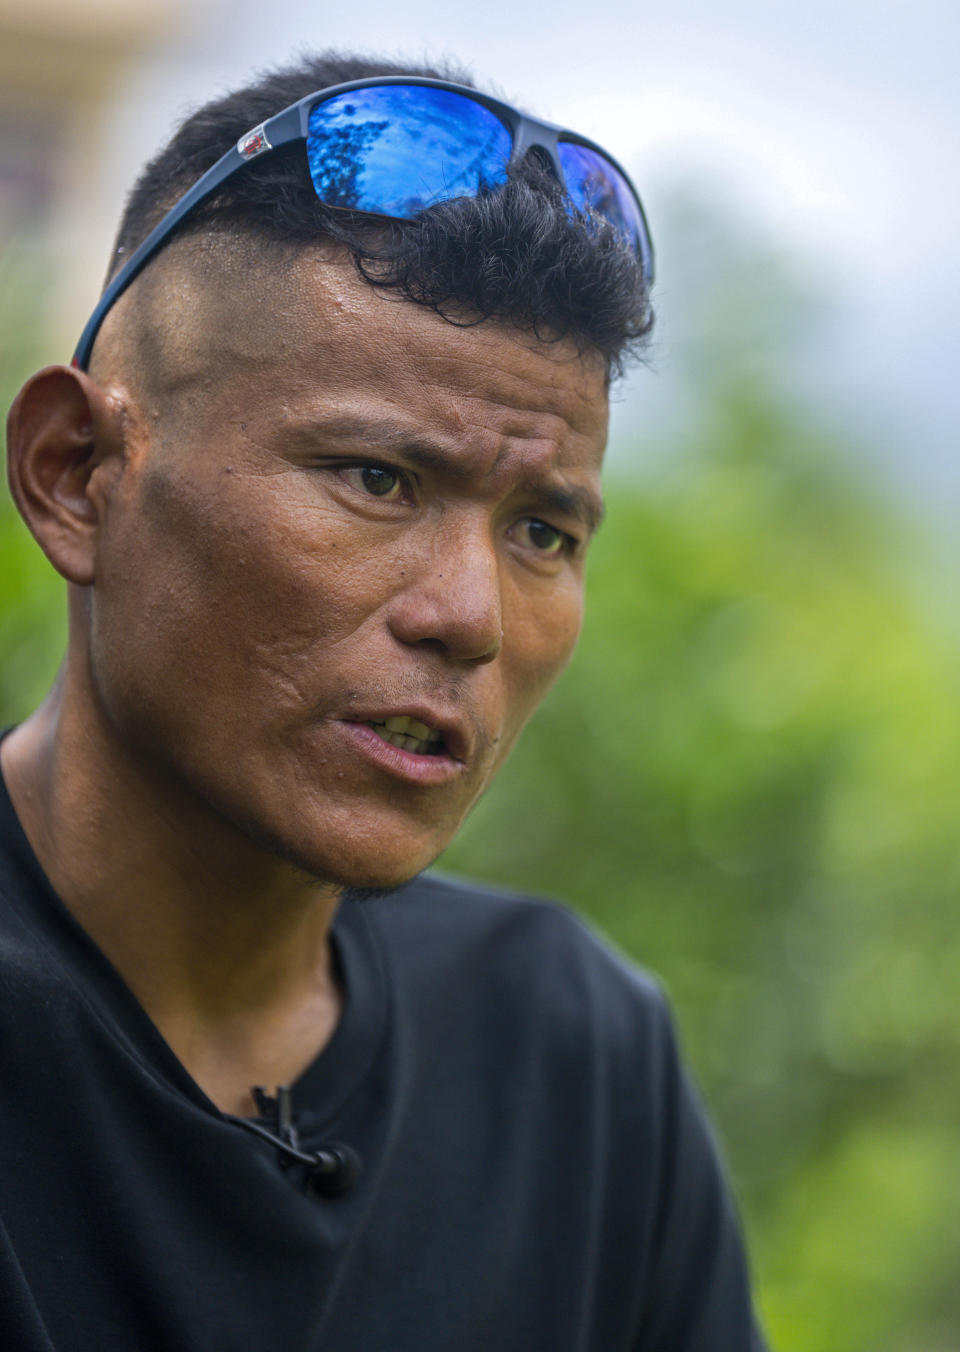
[(345, 512)]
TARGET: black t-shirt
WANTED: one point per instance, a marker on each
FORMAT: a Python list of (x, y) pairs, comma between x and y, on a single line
[(537, 1174)]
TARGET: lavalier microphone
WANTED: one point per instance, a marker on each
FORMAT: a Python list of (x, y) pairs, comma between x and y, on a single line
[(330, 1170)]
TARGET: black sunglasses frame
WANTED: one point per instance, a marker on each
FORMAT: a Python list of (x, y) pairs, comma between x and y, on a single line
[(292, 124)]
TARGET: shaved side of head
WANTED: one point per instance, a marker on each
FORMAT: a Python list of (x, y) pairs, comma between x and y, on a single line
[(211, 303)]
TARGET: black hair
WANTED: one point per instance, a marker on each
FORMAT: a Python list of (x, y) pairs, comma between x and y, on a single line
[(518, 252)]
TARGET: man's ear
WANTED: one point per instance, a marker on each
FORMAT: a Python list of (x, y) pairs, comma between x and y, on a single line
[(64, 447)]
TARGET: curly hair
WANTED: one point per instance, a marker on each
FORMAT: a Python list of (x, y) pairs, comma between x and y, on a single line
[(517, 253)]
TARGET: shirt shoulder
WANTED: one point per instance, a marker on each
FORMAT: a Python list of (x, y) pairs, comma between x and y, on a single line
[(527, 957)]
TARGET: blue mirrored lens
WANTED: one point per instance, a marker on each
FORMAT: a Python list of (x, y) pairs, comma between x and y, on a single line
[(396, 149), (594, 184)]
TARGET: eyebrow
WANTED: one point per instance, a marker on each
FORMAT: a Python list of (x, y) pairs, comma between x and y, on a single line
[(392, 438), (576, 502)]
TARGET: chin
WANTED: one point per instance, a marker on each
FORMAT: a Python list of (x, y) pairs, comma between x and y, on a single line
[(352, 844), (358, 869), (367, 879)]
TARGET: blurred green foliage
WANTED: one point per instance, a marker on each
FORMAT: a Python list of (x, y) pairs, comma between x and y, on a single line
[(32, 599), (747, 779)]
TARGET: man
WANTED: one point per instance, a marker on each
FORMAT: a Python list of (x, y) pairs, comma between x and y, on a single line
[(321, 480)]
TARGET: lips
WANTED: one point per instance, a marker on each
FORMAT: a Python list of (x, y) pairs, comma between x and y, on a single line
[(420, 730), (434, 768)]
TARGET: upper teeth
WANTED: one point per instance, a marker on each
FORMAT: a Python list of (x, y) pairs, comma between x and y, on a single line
[(408, 733), (410, 727)]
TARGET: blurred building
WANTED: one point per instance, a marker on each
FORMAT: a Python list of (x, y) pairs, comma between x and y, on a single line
[(61, 66)]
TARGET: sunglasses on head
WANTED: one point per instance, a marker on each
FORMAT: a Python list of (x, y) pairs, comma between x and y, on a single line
[(393, 146)]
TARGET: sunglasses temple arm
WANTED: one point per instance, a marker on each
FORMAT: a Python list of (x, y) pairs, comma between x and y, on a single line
[(286, 126), (141, 256)]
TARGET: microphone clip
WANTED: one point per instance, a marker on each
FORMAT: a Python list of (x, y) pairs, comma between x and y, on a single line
[(331, 1169), (276, 1113)]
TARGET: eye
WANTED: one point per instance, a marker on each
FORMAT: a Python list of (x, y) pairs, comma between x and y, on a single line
[(380, 481), (544, 538)]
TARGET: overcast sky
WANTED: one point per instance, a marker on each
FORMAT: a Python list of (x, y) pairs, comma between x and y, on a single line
[(831, 126)]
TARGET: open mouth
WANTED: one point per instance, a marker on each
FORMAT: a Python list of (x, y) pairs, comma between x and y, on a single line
[(409, 735)]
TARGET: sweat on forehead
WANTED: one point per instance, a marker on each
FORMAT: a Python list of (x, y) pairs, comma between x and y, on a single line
[(216, 305)]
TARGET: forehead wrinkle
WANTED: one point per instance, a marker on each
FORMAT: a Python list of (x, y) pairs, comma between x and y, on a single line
[(429, 447), (538, 392), (507, 406), (542, 457), (553, 430)]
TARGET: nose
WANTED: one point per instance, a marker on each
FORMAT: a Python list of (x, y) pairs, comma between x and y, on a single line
[(450, 600)]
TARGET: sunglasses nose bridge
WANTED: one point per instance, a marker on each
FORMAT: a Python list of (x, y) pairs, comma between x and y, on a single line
[(541, 142)]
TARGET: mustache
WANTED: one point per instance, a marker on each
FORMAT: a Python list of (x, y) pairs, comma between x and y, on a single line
[(450, 690)]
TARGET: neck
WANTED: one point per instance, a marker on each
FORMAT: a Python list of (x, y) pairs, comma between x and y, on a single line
[(224, 945)]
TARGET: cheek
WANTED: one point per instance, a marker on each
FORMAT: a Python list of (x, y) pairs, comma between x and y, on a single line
[(539, 641), (236, 592), (264, 549)]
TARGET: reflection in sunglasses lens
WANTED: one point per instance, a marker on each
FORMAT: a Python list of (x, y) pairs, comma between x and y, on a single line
[(397, 149), (594, 184)]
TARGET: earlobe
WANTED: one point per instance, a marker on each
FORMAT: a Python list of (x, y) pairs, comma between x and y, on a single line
[(61, 429)]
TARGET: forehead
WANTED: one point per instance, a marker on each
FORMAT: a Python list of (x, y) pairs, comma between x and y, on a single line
[(322, 348)]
